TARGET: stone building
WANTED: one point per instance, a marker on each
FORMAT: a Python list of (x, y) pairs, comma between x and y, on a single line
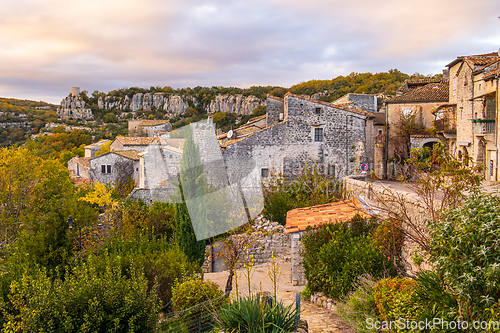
[(93, 148), (150, 128), (474, 93), (365, 102), (115, 166), (299, 130), (74, 106), (79, 167)]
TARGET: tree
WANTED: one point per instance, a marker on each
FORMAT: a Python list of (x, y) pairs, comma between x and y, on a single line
[(192, 186), (441, 183)]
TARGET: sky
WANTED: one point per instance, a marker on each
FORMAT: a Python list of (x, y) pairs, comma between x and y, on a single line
[(49, 46)]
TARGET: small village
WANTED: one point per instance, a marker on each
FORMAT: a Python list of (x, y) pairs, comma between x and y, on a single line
[(340, 212)]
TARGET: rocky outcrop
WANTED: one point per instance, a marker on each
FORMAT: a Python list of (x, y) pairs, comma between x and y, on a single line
[(74, 107), (173, 104), (176, 104), (234, 104)]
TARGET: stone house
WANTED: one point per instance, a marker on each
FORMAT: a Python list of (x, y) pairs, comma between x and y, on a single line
[(115, 166), (79, 167), (474, 93), (365, 102), (148, 127), (300, 219), (417, 98), (93, 148), (299, 130)]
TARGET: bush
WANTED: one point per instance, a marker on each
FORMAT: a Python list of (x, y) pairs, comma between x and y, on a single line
[(161, 262), (336, 254), (88, 300), (395, 299), (276, 206), (256, 314), (466, 252), (193, 292), (360, 305)]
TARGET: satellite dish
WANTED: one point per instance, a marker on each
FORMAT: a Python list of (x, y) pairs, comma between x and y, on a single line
[(230, 134)]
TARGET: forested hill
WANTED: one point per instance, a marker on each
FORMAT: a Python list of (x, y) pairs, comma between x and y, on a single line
[(384, 83), (22, 106)]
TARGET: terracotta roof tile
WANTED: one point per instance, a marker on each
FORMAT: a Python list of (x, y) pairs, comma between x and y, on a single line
[(430, 92), (132, 154), (301, 218), (136, 141), (83, 161), (150, 122), (274, 97), (477, 60)]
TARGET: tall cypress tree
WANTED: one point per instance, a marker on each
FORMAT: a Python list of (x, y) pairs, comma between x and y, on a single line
[(192, 185)]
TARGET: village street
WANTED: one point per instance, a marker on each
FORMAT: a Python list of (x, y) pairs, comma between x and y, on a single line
[(319, 319)]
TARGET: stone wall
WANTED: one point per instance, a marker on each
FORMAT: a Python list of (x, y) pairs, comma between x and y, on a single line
[(375, 194), (275, 107), (298, 273), (277, 244)]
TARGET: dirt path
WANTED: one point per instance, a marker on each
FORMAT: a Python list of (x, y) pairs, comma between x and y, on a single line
[(319, 319)]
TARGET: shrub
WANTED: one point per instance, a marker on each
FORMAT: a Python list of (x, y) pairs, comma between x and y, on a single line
[(161, 262), (193, 292), (336, 254), (466, 251), (395, 299), (276, 206), (360, 305), (88, 300), (256, 314)]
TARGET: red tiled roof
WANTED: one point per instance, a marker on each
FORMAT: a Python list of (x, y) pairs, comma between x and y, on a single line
[(83, 161), (430, 92), (136, 141), (301, 218), (477, 60), (274, 97), (151, 122), (132, 154)]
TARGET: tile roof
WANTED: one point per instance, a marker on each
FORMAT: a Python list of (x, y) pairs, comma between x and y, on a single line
[(422, 136), (341, 211), (83, 161), (477, 60), (430, 92), (136, 141), (274, 97), (132, 154), (97, 144), (148, 122)]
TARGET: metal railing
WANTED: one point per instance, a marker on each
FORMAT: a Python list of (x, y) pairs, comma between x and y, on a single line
[(483, 126)]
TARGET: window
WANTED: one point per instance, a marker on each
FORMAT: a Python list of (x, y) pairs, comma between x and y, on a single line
[(331, 170), (380, 132), (318, 111), (105, 168), (264, 172), (318, 135)]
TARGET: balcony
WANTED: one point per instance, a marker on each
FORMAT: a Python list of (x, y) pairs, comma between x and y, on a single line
[(483, 126)]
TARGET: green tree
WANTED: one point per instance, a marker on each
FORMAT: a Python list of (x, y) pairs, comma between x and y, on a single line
[(192, 187)]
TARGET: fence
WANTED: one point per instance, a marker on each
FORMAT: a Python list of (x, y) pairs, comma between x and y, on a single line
[(198, 318)]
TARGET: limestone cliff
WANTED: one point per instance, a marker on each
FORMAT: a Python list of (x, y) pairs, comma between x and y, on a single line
[(234, 104), (74, 107), (177, 104), (173, 104)]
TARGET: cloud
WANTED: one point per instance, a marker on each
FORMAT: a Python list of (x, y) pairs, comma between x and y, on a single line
[(47, 46)]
